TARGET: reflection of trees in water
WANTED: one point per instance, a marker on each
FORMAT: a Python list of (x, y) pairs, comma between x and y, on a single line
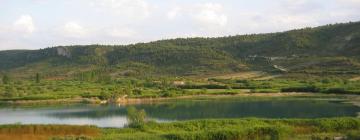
[(92, 112), (265, 109), (182, 110)]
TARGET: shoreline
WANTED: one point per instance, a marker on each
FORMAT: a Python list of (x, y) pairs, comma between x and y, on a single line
[(129, 101), (51, 101)]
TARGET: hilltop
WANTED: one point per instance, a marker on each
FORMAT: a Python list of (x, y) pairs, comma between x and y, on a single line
[(326, 50)]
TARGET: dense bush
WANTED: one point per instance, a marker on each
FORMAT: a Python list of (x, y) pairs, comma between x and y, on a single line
[(136, 118), (209, 86), (340, 90), (353, 135), (105, 95), (301, 89), (168, 93), (250, 129)]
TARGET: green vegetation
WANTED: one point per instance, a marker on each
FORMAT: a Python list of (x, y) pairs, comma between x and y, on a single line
[(151, 88), (5, 79), (327, 85), (136, 118), (322, 59), (300, 129), (225, 129), (330, 50), (45, 132), (37, 78)]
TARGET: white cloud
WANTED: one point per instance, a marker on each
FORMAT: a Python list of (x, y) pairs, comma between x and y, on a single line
[(24, 24), (295, 4), (211, 14), (284, 15), (129, 8), (174, 13), (287, 22), (74, 29), (278, 21), (208, 18), (121, 32), (350, 2), (130, 21), (351, 6)]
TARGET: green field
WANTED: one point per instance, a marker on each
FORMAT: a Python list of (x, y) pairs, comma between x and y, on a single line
[(138, 88)]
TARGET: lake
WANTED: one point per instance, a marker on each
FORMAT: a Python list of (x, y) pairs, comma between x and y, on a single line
[(184, 109)]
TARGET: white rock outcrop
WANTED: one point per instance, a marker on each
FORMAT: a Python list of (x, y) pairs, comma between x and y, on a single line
[(62, 51)]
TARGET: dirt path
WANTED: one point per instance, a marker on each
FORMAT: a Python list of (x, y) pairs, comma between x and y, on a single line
[(241, 75)]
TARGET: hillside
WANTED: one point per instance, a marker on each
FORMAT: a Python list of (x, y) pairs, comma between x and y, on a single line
[(330, 50)]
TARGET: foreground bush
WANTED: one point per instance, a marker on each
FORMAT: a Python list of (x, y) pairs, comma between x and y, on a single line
[(243, 129), (136, 118)]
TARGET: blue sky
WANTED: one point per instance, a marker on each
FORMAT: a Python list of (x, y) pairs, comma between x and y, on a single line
[(33, 24)]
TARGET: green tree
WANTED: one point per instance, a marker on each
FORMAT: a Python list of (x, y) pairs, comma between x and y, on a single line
[(37, 78), (204, 91), (136, 118), (10, 92), (6, 79), (137, 91), (104, 95), (127, 90)]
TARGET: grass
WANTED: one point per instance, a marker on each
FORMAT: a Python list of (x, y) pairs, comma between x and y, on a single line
[(67, 90), (212, 129), (338, 86), (45, 132), (240, 129), (207, 129)]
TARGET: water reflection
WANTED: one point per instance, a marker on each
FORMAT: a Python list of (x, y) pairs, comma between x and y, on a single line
[(115, 116)]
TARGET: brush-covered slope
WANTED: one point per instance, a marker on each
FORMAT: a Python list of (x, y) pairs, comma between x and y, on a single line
[(330, 48)]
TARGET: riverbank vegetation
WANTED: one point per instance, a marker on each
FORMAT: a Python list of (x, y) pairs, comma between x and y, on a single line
[(46, 132), (85, 91), (215, 129), (242, 129)]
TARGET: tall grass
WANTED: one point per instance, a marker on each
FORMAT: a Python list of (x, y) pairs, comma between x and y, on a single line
[(240, 129), (44, 132), (214, 129)]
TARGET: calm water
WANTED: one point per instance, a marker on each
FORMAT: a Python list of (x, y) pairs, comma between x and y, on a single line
[(115, 116)]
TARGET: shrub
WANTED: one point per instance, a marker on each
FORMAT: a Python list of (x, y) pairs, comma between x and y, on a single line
[(272, 133), (209, 86), (301, 89), (354, 135), (136, 118), (338, 124), (264, 90), (167, 93), (137, 91), (336, 90), (104, 95)]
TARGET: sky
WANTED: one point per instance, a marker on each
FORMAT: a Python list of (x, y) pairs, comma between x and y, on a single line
[(34, 24)]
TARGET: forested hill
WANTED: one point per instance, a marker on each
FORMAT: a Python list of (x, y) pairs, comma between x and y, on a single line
[(302, 49)]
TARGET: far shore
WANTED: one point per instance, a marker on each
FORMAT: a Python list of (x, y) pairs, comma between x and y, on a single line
[(128, 101)]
